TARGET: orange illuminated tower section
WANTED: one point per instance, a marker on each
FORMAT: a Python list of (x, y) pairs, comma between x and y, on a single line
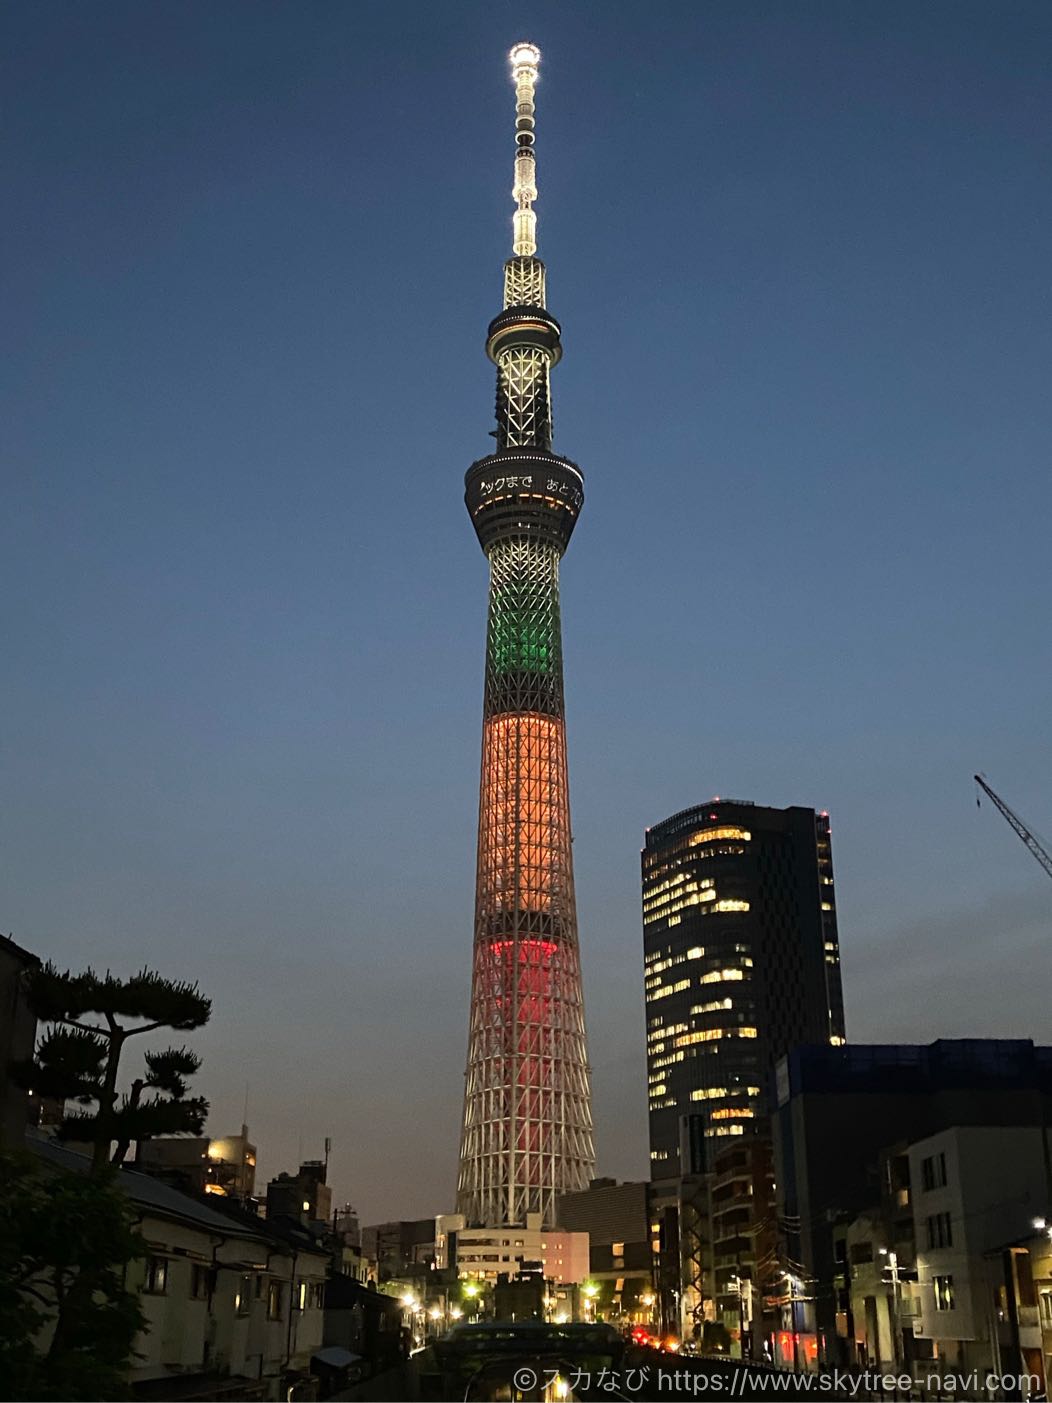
[(527, 1135)]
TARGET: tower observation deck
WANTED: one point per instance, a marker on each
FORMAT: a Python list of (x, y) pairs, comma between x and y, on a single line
[(527, 1130)]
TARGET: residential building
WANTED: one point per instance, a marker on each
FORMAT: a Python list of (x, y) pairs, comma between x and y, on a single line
[(1022, 1273), (303, 1196), (975, 1188), (18, 1026), (742, 1228), (403, 1247), (201, 1164), (345, 1221), (844, 1124), (234, 1307), (881, 1296), (363, 1322)]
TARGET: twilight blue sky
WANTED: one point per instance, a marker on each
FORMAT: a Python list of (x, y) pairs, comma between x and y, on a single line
[(801, 257)]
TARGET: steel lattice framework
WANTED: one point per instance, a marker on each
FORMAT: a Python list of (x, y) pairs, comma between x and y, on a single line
[(527, 1134)]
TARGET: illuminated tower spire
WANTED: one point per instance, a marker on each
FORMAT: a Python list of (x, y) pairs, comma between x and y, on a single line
[(524, 61), (527, 1134)]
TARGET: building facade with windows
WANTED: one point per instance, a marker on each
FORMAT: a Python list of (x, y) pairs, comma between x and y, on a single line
[(484, 1254), (977, 1187), (233, 1308), (617, 1219), (741, 963), (874, 1130), (304, 1196), (743, 1234), (224, 1165)]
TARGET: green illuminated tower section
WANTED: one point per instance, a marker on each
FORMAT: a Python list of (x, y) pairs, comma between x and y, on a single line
[(527, 1131)]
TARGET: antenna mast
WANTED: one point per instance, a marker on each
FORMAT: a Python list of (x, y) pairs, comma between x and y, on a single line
[(524, 61)]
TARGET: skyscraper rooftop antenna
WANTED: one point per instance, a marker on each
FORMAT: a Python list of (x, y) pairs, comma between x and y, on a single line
[(525, 60)]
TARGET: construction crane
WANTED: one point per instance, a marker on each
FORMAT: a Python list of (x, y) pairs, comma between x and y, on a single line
[(1042, 855)]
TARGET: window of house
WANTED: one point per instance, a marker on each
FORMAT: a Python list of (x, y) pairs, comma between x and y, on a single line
[(200, 1281), (944, 1298), (243, 1296), (260, 1283), (156, 1276), (1045, 1301), (940, 1231), (275, 1301), (933, 1171)]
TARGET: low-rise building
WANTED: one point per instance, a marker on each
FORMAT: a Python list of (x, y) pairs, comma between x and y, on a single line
[(303, 1196), (234, 1305), (486, 1253), (363, 1322), (399, 1246), (621, 1263), (1022, 1272), (18, 1026), (202, 1164), (974, 1189)]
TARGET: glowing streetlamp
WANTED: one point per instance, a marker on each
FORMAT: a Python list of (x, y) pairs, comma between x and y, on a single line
[(472, 1292)]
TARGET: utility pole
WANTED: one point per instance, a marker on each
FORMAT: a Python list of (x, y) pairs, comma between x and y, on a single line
[(896, 1329)]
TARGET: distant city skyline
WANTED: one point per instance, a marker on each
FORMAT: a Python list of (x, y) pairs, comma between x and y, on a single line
[(801, 257)]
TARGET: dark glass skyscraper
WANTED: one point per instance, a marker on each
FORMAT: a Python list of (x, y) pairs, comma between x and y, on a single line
[(742, 962), (527, 1132)]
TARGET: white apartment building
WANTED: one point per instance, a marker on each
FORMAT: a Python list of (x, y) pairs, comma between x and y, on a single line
[(974, 1189)]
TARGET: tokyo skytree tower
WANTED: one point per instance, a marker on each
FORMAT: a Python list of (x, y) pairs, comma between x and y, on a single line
[(527, 1131)]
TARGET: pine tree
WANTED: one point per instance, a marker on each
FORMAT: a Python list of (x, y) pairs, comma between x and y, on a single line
[(91, 1017)]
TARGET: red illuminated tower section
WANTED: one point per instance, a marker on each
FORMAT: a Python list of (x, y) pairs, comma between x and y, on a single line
[(527, 1135)]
